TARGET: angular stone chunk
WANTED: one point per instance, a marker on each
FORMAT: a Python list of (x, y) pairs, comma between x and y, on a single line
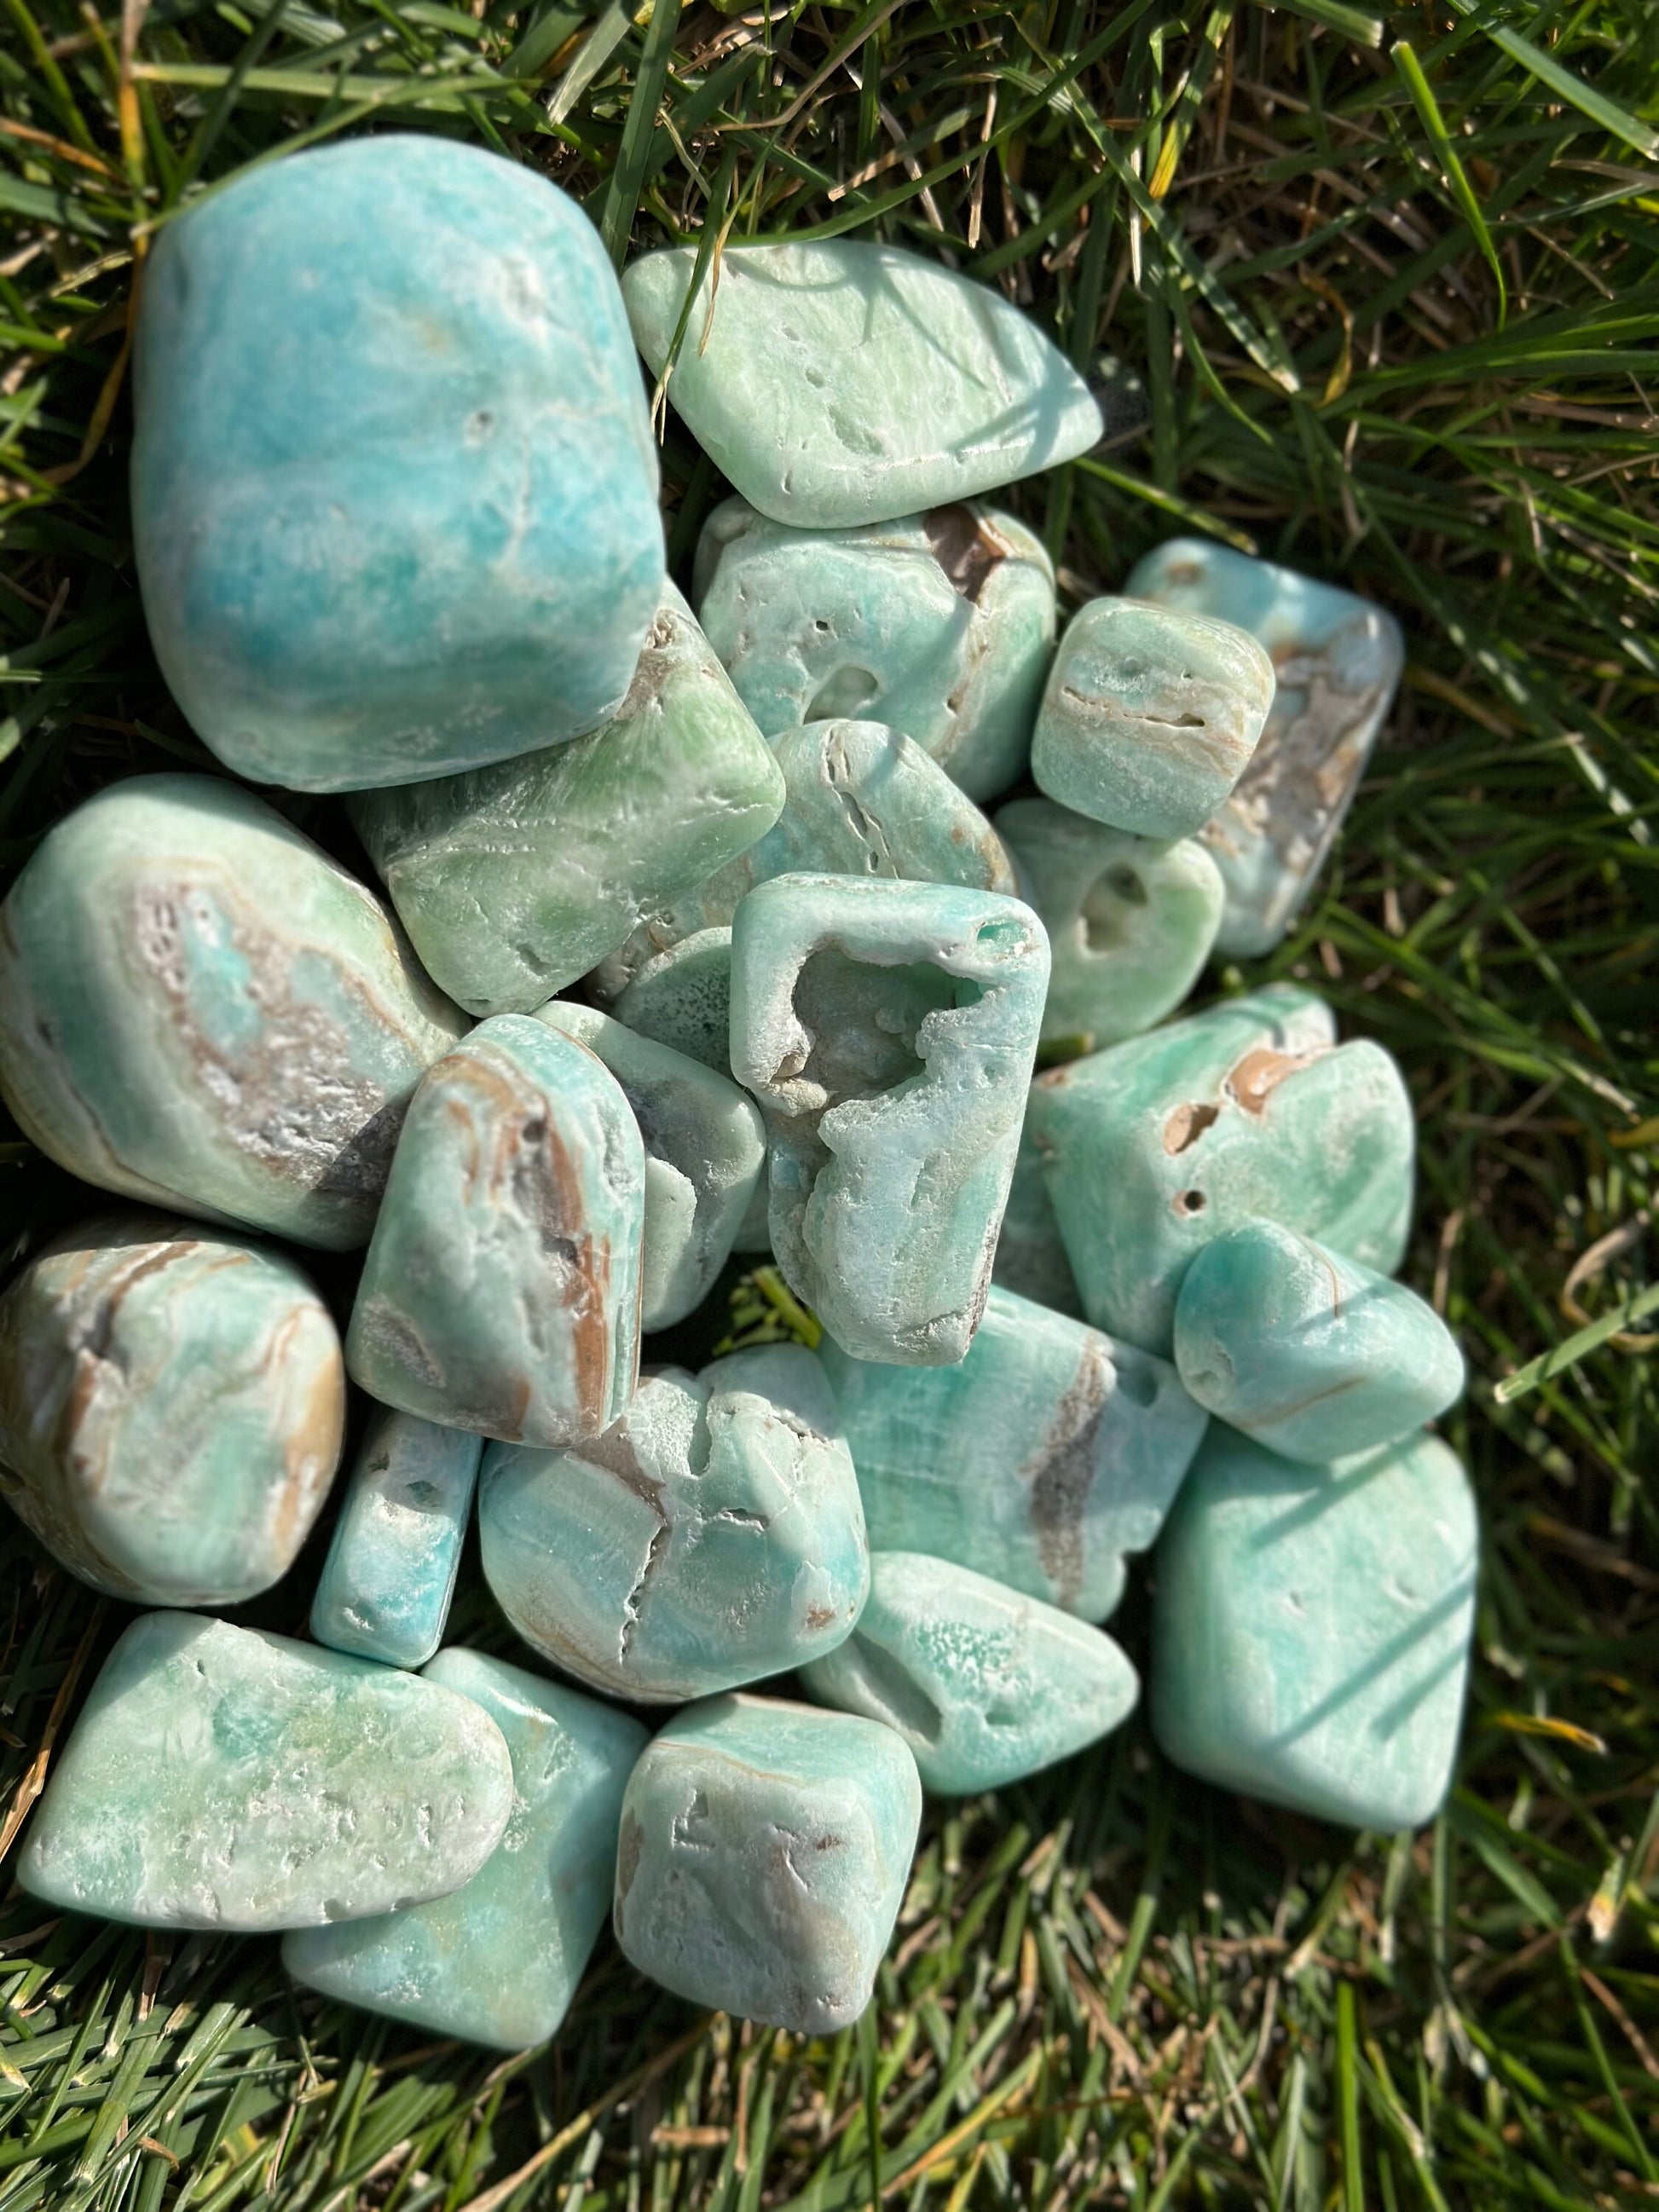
[(1310, 1633), (385, 1589), (1031, 1257), (1311, 1354), (171, 1406), (683, 998), (712, 1536), (394, 491), (940, 625), (1338, 660), (498, 1960), (225, 1778), (888, 1030), (764, 1853), (199, 1009), (501, 1291), (838, 382), (984, 1684)]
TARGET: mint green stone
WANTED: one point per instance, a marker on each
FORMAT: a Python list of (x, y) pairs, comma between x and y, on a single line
[(501, 1291), (1311, 1354), (711, 1537), (683, 998), (984, 1684), (1031, 1257), (1310, 1633), (200, 1010), (226, 1779), (498, 1961), (764, 1853), (385, 1585)]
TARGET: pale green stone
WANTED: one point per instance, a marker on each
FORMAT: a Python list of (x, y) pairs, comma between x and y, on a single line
[(498, 1961), (1311, 1628), (224, 1778), (764, 1853), (171, 1405), (986, 1685), (199, 1009), (683, 998), (501, 1291), (711, 1537), (1309, 1353), (1031, 1258), (838, 381), (385, 1585)]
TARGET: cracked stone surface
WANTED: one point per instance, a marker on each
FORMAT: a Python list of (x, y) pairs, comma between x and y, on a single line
[(385, 1589)]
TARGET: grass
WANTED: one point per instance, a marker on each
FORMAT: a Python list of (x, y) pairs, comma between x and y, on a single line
[(1389, 285)]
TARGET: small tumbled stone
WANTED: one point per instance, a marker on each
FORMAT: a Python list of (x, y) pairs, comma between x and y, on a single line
[(683, 998), (1031, 1258), (764, 1852), (385, 1589)]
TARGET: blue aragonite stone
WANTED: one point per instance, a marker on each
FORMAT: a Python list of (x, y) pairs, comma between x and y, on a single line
[(385, 1589), (683, 998), (394, 491), (764, 1853), (498, 1960), (1311, 1354), (984, 1684), (1311, 1627), (711, 1537), (1031, 1258), (501, 1291)]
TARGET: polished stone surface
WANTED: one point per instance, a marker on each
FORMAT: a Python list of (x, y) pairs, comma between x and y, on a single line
[(385, 1589), (1031, 1257), (683, 998)]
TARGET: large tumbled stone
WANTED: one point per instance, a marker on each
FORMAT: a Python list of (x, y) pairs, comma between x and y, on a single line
[(888, 1030), (498, 1960), (838, 381), (171, 1406), (764, 1852), (224, 1778), (712, 1536), (198, 1008), (1311, 1629), (683, 998), (385, 1589), (394, 493), (502, 1291), (1031, 1258)]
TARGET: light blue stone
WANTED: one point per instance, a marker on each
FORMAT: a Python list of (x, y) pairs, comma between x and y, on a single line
[(394, 491), (1031, 1258), (385, 1589), (498, 1961), (683, 998)]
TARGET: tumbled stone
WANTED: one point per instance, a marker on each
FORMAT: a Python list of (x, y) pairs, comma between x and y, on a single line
[(394, 492), (712, 1535), (1041, 1458), (498, 1961), (385, 1585), (1157, 1147), (198, 1008), (888, 1030), (940, 625), (225, 1778), (1337, 659), (1031, 1258), (1311, 1627), (839, 381), (764, 1852), (171, 1406), (984, 1684), (1310, 1353), (683, 998), (502, 1291)]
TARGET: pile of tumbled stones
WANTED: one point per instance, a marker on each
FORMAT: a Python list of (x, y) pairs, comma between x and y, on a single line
[(395, 513)]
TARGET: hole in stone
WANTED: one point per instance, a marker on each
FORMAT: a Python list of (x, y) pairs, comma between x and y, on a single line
[(1106, 922), (1010, 935), (863, 1019), (844, 694), (1135, 1382), (1190, 1201), (820, 625)]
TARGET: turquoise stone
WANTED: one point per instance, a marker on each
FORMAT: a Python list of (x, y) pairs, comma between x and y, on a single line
[(838, 382), (1041, 1458), (514, 879), (199, 1009), (705, 1152), (394, 492), (765, 1854), (1031, 1257), (1158, 1147), (228, 1779), (940, 625), (985, 1685), (1310, 1633), (1130, 921), (1311, 1354), (501, 1291), (498, 1960), (888, 1030), (683, 998), (1338, 661), (385, 1585), (711, 1537), (171, 1406)]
